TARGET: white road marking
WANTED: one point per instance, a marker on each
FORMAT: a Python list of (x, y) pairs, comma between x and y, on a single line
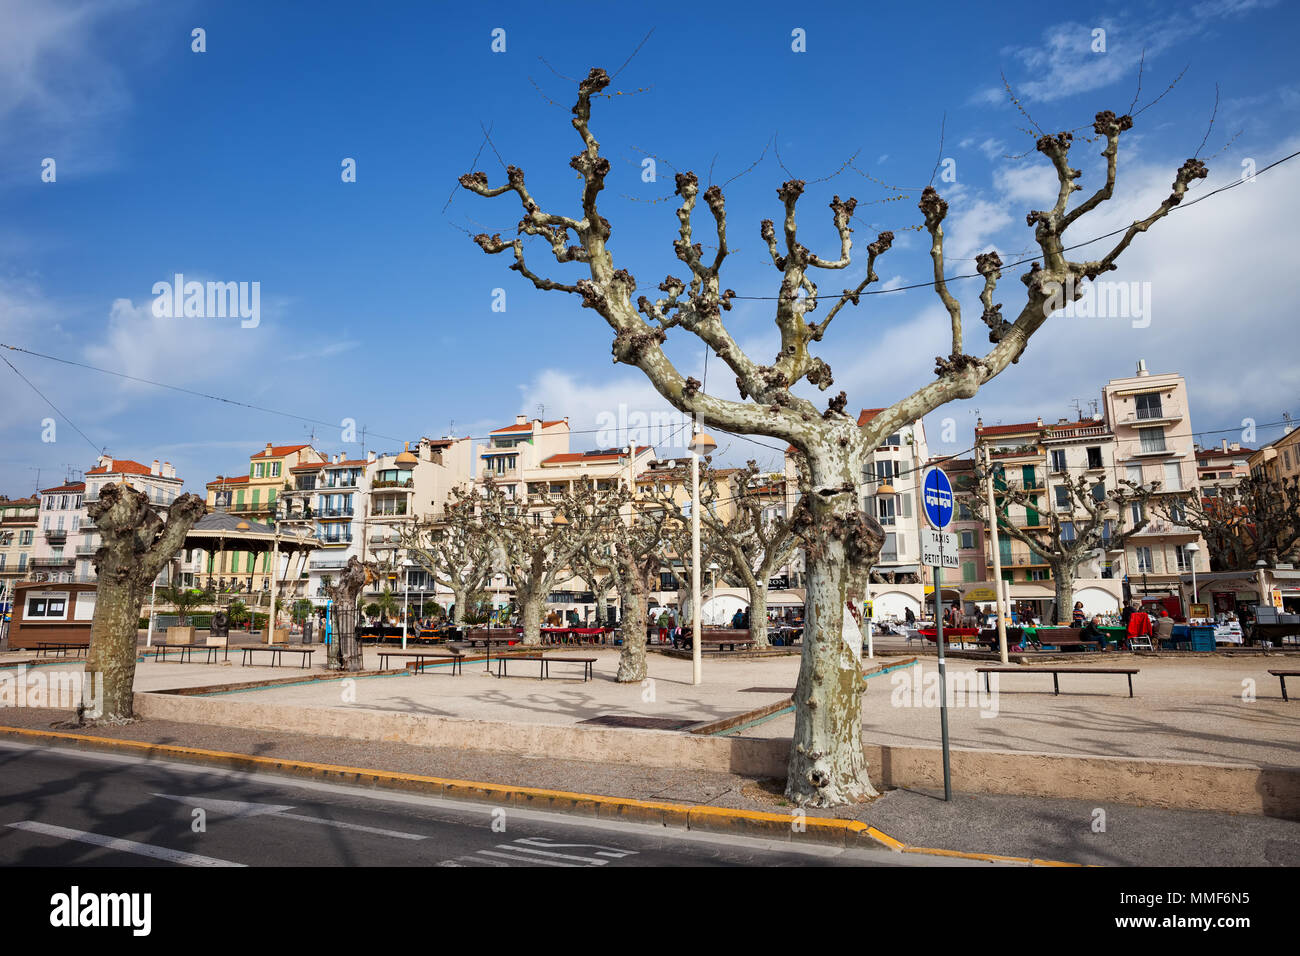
[(559, 856), (610, 851), (354, 826), (521, 859), (239, 808), (125, 846)]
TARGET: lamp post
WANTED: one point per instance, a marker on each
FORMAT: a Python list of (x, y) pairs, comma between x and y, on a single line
[(701, 444), (1192, 549)]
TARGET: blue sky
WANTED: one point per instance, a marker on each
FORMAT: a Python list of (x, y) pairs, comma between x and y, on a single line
[(375, 306)]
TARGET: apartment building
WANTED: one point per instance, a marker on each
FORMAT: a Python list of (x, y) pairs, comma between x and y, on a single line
[(891, 491), (1278, 459), (1149, 417), (253, 496), (1222, 467), (62, 513), (18, 522)]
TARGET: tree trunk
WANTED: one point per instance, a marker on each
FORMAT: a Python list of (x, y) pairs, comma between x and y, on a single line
[(827, 767), (758, 615), (532, 618), (113, 640), (1064, 581), (459, 595), (634, 598)]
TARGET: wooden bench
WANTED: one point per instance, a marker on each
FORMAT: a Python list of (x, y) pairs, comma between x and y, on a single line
[(185, 651), (277, 652), (544, 670), (60, 648), (422, 656), (718, 638), (1282, 676), (489, 637), (1054, 671), (1062, 637)]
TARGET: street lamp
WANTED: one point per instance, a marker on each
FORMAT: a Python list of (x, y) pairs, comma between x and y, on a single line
[(701, 444), (1192, 549)]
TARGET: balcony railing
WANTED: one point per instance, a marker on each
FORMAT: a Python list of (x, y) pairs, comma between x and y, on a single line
[(1167, 412), (56, 534), (334, 513), (55, 562)]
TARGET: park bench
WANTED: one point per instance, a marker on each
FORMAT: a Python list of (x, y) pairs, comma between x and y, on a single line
[(1063, 637), (421, 656), (277, 652), (60, 648), (544, 668), (185, 652), (489, 637), (1054, 671), (1282, 676), (730, 639)]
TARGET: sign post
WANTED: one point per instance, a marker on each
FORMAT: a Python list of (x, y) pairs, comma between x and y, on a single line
[(937, 500)]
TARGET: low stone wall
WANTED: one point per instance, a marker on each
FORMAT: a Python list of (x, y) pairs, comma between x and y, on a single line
[(1239, 788)]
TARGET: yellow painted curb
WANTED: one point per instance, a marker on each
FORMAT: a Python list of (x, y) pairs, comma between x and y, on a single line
[(824, 830)]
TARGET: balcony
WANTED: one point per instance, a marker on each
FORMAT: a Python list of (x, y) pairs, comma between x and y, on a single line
[(1167, 412), (55, 562), (56, 535), (84, 549), (1165, 527), (1162, 451), (334, 513)]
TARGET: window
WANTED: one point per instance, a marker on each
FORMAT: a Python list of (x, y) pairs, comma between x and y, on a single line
[(1038, 574), (25, 537), (963, 512), (966, 539), (1144, 563), (967, 571), (1094, 457), (76, 523), (1152, 439), (1173, 476), (275, 469), (1058, 459), (259, 470), (1099, 491), (1067, 531), (1062, 498), (1148, 406), (886, 509), (890, 551), (1107, 529), (1135, 512), (47, 607), (1178, 512), (1184, 558), (1134, 474), (76, 501), (895, 439)]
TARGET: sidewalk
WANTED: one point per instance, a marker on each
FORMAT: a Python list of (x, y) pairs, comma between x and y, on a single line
[(1031, 828)]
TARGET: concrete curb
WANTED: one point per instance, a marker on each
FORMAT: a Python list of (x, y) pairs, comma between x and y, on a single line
[(850, 834)]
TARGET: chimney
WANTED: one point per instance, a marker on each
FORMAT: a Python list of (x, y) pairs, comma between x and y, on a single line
[(979, 423), (154, 470), (370, 456), (1040, 421), (167, 470), (1142, 368), (1062, 421), (521, 419), (268, 449), (1225, 444)]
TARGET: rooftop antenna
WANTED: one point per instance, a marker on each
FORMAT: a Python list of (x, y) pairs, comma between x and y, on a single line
[(1289, 426), (1092, 403), (1078, 408), (541, 412)]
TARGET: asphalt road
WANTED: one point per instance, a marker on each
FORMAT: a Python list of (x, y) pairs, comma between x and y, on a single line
[(66, 808)]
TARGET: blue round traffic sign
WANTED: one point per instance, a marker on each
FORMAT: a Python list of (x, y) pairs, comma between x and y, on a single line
[(936, 498)]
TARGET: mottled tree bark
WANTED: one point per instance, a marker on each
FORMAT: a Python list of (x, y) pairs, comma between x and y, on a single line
[(136, 546)]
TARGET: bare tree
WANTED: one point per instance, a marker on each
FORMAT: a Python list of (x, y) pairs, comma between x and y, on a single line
[(1072, 535), (454, 548), (539, 549), (1256, 519), (637, 559), (137, 544), (748, 543), (827, 766)]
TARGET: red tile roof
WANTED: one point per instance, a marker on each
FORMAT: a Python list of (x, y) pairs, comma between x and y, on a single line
[(279, 451), (526, 427), (71, 488), (576, 456), (122, 466), (1220, 453), (1034, 426), (867, 414), (232, 480)]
